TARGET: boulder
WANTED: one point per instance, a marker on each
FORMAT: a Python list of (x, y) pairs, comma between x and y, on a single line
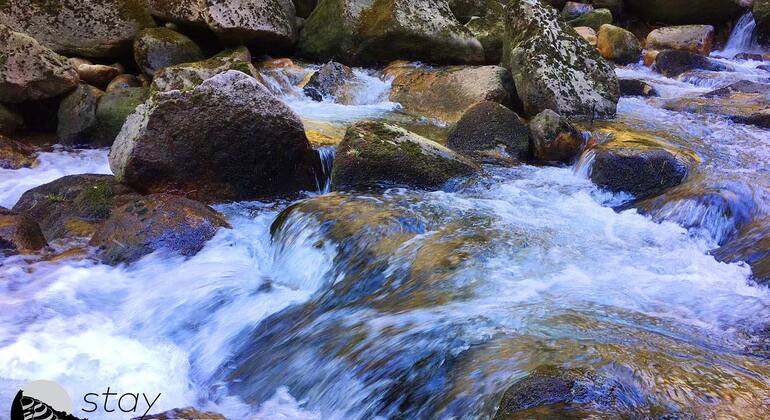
[(446, 92), (693, 38), (588, 34), (743, 101), (489, 30), (649, 57), (639, 165), (751, 245), (594, 19), (554, 139), (189, 75), (573, 10), (183, 413), (618, 45), (761, 12), (73, 206), (672, 63), (112, 112), (77, 115), (332, 80), (19, 233), (227, 139), (488, 126), (759, 118), (377, 154), (464, 10), (553, 68), (362, 32), (157, 48), (156, 222), (631, 87), (97, 75), (16, 155), (29, 71), (686, 11), (10, 121), (614, 6), (89, 28), (124, 81), (270, 24), (304, 7)]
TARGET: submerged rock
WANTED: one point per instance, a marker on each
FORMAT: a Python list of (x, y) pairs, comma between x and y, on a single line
[(157, 48), (16, 155), (554, 139), (360, 32), (154, 222), (332, 80), (446, 92), (686, 11), (376, 154), (487, 126), (112, 112), (632, 87), (553, 68), (227, 139), (189, 75), (618, 45), (19, 233), (743, 101), (672, 63), (88, 28), (693, 38), (29, 71), (751, 245), (77, 115), (73, 206)]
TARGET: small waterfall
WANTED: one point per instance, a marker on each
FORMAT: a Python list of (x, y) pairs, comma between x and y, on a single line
[(743, 39), (326, 154)]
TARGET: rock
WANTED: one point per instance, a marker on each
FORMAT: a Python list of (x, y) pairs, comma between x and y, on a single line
[(270, 24), (573, 10), (89, 28), (649, 57), (112, 112), (154, 222), (77, 61), (377, 154), (77, 115), (759, 118), (489, 29), (73, 206), (693, 38), (554, 139), (188, 413), (227, 139), (97, 75), (588, 34), (752, 245), (761, 12), (672, 63), (189, 75), (553, 68), (465, 10), (157, 48), (630, 87), (446, 92), (19, 233), (10, 121), (614, 6), (304, 7), (124, 81), (594, 19), (743, 101), (29, 71), (618, 45), (686, 11), (16, 155), (331, 81), (487, 126), (639, 165), (361, 32)]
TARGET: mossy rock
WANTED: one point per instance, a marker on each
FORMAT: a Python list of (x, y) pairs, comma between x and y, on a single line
[(77, 115), (19, 233), (594, 19), (16, 155), (157, 48), (189, 75), (113, 110), (488, 126), (377, 155), (554, 139), (619, 45)]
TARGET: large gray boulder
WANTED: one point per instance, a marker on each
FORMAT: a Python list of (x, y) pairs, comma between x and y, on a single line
[(189, 75), (157, 48), (269, 23), (368, 32), (30, 71), (487, 126), (89, 28), (553, 67), (77, 115), (227, 139)]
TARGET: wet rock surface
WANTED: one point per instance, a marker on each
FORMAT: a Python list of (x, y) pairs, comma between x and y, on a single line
[(672, 63), (19, 233), (77, 115), (554, 139), (332, 80), (488, 126), (158, 48), (15, 154), (744, 101)]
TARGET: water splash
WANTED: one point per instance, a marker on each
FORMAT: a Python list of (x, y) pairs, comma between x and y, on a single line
[(743, 38), (327, 154)]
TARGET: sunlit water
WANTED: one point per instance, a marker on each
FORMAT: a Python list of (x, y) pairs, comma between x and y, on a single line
[(426, 303)]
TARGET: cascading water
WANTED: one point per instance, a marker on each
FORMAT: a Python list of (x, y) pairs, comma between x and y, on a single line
[(743, 38)]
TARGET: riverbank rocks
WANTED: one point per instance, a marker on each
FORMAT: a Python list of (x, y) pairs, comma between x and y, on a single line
[(639, 164), (553, 68), (446, 92), (112, 112), (588, 34), (77, 115), (156, 222), (361, 32), (633, 87), (19, 233), (157, 48), (227, 139), (73, 206), (685, 11), (554, 139), (487, 126), (98, 75), (29, 71), (693, 38), (332, 80), (189, 75), (10, 121), (618, 45), (271, 24), (672, 63), (16, 155), (594, 19), (87, 28), (761, 12), (376, 155), (743, 101)]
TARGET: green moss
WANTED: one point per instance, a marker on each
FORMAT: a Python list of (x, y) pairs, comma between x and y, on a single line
[(136, 10), (95, 200)]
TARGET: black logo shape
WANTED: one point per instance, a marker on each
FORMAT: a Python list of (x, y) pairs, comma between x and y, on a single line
[(28, 408)]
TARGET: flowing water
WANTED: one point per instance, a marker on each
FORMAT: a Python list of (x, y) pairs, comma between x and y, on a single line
[(416, 304)]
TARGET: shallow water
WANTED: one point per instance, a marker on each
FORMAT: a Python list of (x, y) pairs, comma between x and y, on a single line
[(417, 303)]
